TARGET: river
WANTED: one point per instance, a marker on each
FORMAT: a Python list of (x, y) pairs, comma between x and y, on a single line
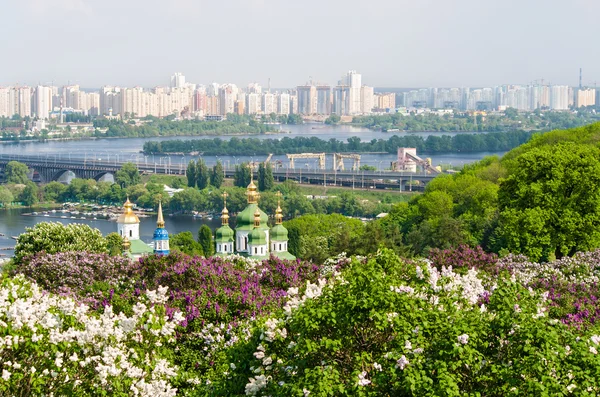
[(12, 223), (129, 149)]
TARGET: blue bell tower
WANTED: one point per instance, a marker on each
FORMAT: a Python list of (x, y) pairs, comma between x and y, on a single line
[(161, 236)]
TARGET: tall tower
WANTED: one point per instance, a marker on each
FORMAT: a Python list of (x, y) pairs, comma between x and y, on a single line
[(258, 246), (161, 236), (128, 224), (224, 234), (279, 235)]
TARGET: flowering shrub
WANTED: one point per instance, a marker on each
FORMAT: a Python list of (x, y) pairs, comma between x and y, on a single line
[(53, 237), (75, 271), (51, 345), (462, 256), (386, 327)]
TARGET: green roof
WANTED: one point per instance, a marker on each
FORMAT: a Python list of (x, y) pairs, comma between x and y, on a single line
[(138, 247), (278, 233), (224, 234), (245, 219), (284, 255), (257, 237)]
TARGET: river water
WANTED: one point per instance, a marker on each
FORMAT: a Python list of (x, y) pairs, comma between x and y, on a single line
[(13, 223), (129, 149)]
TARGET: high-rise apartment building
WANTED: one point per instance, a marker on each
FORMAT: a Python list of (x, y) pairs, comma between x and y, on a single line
[(43, 102), (366, 99), (559, 97), (323, 99), (268, 103), (254, 103), (307, 99), (385, 101), (585, 97), (283, 104), (227, 97), (177, 80)]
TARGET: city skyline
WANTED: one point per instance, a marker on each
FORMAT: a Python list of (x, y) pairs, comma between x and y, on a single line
[(466, 43)]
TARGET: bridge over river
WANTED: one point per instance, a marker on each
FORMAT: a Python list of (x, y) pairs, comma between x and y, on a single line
[(60, 169)]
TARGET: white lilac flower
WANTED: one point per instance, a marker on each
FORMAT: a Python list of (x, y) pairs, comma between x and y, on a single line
[(571, 387), (5, 375), (408, 345), (593, 350), (595, 339), (259, 355), (517, 308), (463, 339), (377, 366), (362, 379), (306, 392), (402, 362)]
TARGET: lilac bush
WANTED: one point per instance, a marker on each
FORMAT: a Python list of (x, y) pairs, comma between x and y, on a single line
[(74, 272), (462, 256)]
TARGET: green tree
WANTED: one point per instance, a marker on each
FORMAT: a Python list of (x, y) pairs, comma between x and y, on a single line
[(114, 244), (54, 191), (53, 237), (6, 197), (550, 203), (29, 196), (191, 174), (202, 174), (128, 175), (184, 242), (242, 175), (217, 176), (16, 172), (205, 238), (333, 119)]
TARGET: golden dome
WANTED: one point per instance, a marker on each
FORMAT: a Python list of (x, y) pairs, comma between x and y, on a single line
[(128, 217), (126, 244)]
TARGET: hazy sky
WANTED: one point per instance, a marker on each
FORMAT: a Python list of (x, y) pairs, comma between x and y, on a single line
[(393, 43)]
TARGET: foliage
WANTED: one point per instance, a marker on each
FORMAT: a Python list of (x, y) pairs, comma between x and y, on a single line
[(16, 172), (205, 239), (390, 327), (154, 126), (550, 203), (191, 174), (217, 175), (185, 242), (114, 244), (242, 175), (128, 175), (202, 174), (29, 196), (461, 143), (6, 197), (53, 345), (75, 271), (265, 177), (54, 237)]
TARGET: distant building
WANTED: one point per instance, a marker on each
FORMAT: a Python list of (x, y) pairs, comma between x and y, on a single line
[(585, 97), (307, 99)]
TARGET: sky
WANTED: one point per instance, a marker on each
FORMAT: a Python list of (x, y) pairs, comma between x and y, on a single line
[(392, 43)]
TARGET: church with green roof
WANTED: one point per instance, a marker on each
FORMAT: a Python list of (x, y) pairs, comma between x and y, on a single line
[(252, 237)]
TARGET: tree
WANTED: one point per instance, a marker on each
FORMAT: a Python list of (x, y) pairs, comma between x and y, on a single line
[(16, 172), (54, 191), (191, 174), (242, 175), (6, 197), (550, 203), (268, 180), (333, 119), (217, 176), (184, 242), (128, 175), (29, 196), (205, 238), (53, 237), (202, 174), (114, 244), (366, 167)]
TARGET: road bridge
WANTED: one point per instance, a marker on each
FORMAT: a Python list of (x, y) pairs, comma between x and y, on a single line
[(52, 168)]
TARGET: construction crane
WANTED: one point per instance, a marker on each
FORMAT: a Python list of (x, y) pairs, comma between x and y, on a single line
[(338, 161), (320, 156)]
